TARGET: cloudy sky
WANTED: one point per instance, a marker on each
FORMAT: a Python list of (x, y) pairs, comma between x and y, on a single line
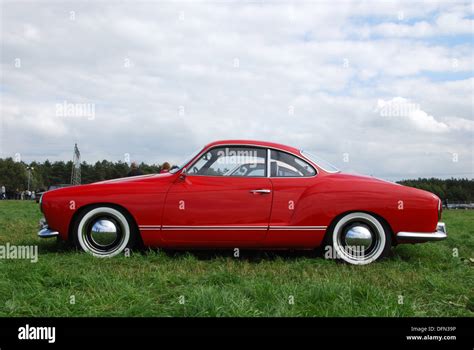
[(381, 88)]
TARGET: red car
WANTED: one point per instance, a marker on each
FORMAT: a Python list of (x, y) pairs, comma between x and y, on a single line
[(245, 194)]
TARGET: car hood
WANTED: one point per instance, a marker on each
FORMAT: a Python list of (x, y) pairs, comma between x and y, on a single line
[(107, 184), (141, 178)]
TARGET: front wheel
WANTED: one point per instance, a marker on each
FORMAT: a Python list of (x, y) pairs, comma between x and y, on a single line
[(103, 232), (359, 239)]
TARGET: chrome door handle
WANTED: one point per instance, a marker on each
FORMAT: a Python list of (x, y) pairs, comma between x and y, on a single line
[(263, 191)]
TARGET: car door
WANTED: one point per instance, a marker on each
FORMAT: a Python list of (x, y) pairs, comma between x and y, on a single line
[(223, 200), (292, 222)]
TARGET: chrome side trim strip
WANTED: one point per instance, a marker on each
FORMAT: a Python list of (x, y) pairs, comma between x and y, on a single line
[(149, 227), (298, 228), (227, 227), (232, 228)]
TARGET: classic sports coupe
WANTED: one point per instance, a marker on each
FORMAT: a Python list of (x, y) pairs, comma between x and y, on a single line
[(245, 194)]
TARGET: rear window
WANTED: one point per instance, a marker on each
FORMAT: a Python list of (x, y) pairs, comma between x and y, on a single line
[(325, 165)]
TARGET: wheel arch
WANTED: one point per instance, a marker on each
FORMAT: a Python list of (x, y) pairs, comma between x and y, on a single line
[(118, 207), (382, 220)]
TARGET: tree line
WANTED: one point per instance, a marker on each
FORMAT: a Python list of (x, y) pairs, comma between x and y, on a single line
[(14, 176), (453, 190)]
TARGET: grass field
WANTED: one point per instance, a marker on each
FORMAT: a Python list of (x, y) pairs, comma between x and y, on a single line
[(418, 280)]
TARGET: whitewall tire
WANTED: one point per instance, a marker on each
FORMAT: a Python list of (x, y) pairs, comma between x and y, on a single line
[(103, 232), (360, 238)]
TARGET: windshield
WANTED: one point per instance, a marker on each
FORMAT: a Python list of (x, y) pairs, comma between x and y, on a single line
[(188, 159), (326, 166)]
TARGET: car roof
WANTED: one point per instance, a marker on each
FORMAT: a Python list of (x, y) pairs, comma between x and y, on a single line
[(254, 143), (274, 145)]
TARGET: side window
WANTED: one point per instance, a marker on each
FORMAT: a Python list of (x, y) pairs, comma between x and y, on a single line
[(231, 161), (286, 165)]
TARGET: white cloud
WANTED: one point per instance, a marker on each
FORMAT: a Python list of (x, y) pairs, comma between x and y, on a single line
[(454, 23), (31, 32), (427, 122), (404, 110), (141, 64)]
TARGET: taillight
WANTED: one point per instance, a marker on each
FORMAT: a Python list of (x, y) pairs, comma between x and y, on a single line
[(440, 209)]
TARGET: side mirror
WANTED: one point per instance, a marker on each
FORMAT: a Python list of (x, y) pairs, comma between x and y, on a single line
[(182, 176)]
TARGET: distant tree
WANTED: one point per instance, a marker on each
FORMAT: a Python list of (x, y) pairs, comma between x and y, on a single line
[(454, 190), (13, 175)]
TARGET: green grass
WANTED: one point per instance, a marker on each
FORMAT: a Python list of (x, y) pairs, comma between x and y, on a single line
[(432, 281)]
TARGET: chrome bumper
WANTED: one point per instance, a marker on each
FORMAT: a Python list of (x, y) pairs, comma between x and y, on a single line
[(44, 231), (439, 235)]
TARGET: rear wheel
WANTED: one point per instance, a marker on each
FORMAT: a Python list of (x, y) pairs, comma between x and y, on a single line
[(103, 231), (359, 239)]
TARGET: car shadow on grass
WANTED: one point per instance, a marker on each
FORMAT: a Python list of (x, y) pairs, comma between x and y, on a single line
[(250, 255), (244, 254), (54, 246)]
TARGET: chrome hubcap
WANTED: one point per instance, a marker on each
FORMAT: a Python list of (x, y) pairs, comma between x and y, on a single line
[(104, 232), (359, 236), (359, 240)]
